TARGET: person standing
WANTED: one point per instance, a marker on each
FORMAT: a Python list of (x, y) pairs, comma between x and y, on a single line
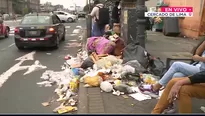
[(100, 16), (115, 14)]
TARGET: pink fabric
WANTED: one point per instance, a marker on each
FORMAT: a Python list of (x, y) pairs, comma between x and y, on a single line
[(101, 43)]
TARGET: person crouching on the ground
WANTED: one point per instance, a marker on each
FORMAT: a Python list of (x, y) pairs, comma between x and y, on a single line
[(182, 90), (178, 69), (96, 29)]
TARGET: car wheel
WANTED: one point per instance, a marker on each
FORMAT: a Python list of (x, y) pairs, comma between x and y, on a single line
[(63, 38), (7, 33), (57, 43), (70, 20)]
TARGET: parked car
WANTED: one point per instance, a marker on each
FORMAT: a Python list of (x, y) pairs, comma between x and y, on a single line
[(65, 16), (39, 30), (4, 30), (81, 14)]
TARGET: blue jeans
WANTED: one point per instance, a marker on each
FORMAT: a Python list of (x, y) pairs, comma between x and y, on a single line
[(97, 31), (178, 69)]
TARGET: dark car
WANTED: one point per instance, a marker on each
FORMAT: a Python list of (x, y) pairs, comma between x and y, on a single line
[(81, 14), (39, 30)]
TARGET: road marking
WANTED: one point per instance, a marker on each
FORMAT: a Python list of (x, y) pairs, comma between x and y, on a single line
[(67, 27), (17, 67), (11, 45), (36, 66), (3, 49), (73, 40), (29, 56), (76, 31), (72, 35), (79, 27)]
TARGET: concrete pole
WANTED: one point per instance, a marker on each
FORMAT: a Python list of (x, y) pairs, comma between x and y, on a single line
[(141, 22)]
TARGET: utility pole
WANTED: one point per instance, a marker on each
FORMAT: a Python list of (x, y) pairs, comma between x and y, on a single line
[(7, 3), (141, 22)]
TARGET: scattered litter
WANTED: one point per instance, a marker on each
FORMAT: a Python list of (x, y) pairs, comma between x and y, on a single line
[(106, 86), (140, 97), (45, 104), (125, 96), (66, 109), (48, 53), (203, 108), (116, 93)]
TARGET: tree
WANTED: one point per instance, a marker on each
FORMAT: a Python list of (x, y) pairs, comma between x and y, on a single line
[(86, 7)]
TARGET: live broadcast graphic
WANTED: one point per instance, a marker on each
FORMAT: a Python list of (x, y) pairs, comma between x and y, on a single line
[(171, 12)]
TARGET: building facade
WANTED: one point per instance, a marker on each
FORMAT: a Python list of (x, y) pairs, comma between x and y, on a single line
[(192, 27), (33, 5), (6, 6)]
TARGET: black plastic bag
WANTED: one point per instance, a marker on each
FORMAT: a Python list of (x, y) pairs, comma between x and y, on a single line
[(157, 67), (135, 52)]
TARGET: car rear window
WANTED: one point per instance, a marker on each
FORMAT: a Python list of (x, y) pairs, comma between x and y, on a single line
[(29, 20)]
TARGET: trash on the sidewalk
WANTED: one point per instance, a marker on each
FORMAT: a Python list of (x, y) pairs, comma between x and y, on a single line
[(124, 88), (93, 81), (125, 96), (202, 109), (106, 86), (72, 102), (139, 96), (116, 93), (45, 104), (66, 109)]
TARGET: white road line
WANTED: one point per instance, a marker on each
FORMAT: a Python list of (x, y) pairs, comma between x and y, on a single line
[(73, 35), (73, 40), (79, 27), (67, 27), (3, 49), (11, 45), (76, 31)]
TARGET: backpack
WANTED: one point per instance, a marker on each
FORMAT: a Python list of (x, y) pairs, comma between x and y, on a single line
[(104, 17)]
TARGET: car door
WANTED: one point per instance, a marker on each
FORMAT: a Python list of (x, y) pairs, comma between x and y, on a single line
[(59, 26), (60, 15)]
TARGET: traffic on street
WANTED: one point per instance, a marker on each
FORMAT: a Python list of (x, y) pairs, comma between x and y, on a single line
[(21, 70)]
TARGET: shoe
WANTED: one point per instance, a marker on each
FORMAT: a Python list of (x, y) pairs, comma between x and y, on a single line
[(147, 90), (170, 110)]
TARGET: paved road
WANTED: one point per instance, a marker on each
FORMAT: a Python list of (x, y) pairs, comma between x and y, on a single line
[(19, 93)]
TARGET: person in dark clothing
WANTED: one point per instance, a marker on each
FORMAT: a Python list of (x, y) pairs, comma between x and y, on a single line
[(182, 90), (115, 14)]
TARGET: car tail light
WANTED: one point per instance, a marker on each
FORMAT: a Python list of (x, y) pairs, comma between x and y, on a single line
[(51, 30), (16, 30)]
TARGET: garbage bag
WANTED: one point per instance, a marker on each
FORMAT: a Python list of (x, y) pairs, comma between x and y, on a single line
[(93, 81), (124, 88), (131, 76), (135, 52), (135, 64), (157, 67), (88, 63), (106, 86)]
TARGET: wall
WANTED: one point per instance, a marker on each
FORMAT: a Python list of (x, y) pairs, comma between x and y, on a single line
[(190, 26)]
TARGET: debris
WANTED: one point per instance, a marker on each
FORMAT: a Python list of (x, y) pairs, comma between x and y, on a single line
[(140, 97), (72, 102), (48, 53), (106, 86), (116, 93), (45, 104), (202, 108), (93, 81), (66, 109), (125, 96)]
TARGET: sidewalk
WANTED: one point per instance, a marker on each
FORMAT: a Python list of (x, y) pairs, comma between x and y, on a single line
[(93, 101)]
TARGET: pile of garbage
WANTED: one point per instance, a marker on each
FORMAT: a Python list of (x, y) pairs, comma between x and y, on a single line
[(109, 73)]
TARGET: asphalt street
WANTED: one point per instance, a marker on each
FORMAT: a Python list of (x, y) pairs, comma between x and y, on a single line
[(19, 93)]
